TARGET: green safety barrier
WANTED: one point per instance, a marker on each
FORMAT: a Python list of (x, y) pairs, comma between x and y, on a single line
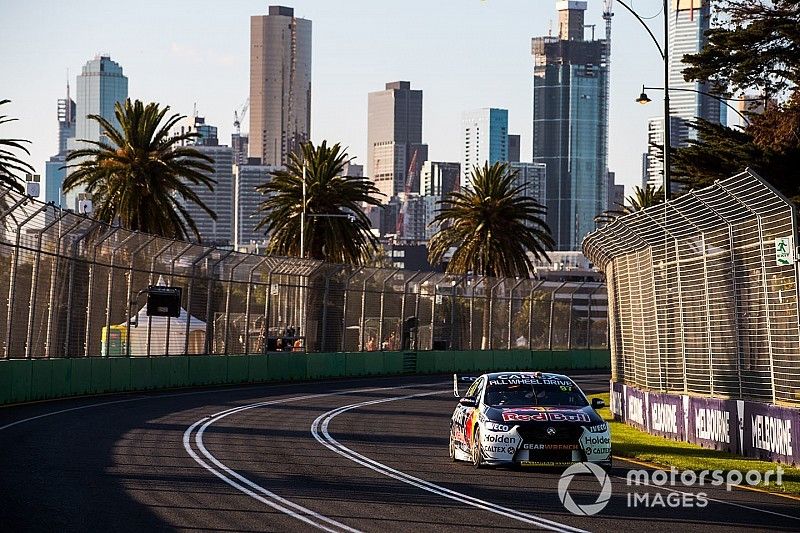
[(26, 380)]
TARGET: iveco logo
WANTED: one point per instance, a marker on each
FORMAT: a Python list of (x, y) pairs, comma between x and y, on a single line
[(551, 431)]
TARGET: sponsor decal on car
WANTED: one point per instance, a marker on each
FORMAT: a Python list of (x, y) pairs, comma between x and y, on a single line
[(529, 379), (534, 446), (494, 426), (530, 415)]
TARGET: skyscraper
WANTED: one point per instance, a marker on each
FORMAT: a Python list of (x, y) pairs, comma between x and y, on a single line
[(439, 178), (689, 20), (217, 232), (532, 178), (394, 138), (570, 124), (485, 139), (246, 201), (100, 86), (54, 171), (513, 148), (280, 84)]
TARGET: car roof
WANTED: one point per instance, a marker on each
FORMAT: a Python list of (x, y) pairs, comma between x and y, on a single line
[(527, 374)]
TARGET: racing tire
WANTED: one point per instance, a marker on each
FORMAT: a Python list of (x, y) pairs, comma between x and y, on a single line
[(452, 448), (476, 451)]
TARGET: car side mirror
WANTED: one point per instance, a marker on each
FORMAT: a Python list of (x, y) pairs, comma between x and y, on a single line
[(597, 403), (468, 402)]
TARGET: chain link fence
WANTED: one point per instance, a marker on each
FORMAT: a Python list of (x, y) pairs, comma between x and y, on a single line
[(72, 287), (703, 293)]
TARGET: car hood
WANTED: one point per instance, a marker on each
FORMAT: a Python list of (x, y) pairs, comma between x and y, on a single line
[(549, 414)]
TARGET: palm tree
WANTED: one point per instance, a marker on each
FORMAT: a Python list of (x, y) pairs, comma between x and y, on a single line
[(336, 228), (640, 199), (492, 227), (142, 178), (10, 164)]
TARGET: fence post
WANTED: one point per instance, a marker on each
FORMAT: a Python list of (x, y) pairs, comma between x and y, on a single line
[(210, 297), (109, 296), (552, 310), (764, 286), (152, 274), (90, 291), (228, 302), (189, 291), (268, 303), (363, 307), (70, 284), (12, 280), (530, 313), (188, 247), (734, 283), (511, 313), (247, 305), (129, 303), (344, 306), (383, 304), (35, 285), (53, 280), (323, 344)]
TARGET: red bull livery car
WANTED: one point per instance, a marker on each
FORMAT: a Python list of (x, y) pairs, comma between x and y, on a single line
[(526, 418)]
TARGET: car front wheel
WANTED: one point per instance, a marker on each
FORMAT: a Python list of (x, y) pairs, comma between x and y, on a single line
[(477, 452)]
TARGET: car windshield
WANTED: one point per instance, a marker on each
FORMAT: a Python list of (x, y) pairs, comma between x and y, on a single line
[(534, 394)]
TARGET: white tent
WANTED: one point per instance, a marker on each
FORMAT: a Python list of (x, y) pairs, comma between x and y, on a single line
[(157, 326)]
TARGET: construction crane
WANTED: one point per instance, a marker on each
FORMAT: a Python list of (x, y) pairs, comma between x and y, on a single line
[(607, 16), (238, 116), (404, 205)]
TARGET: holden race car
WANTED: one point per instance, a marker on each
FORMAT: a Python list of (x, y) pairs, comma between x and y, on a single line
[(526, 419)]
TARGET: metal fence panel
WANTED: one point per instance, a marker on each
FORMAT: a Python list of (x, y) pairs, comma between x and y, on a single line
[(72, 287), (699, 299)]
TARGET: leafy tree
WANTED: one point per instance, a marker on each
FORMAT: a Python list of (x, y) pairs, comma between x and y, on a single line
[(336, 228), (640, 199), (491, 226), (143, 177), (756, 49), (10, 163)]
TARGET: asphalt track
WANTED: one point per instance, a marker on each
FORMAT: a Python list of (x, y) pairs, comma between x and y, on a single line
[(367, 455)]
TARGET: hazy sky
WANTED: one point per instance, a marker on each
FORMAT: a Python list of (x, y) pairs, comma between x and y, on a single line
[(464, 54)]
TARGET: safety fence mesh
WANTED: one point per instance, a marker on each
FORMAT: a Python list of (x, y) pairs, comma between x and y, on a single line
[(703, 293), (72, 287)]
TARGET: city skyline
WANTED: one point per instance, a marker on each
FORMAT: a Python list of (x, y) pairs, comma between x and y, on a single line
[(344, 71)]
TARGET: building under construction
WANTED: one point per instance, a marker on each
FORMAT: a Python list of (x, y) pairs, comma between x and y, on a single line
[(570, 122)]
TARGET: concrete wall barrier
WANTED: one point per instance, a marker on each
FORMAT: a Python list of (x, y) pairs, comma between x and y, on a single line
[(751, 429), (25, 380)]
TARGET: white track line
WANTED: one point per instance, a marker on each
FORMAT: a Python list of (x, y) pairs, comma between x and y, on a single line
[(241, 483), (388, 471), (322, 422)]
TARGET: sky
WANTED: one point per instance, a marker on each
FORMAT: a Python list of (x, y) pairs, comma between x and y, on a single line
[(463, 54)]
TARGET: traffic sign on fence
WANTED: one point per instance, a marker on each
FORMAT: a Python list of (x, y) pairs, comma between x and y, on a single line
[(784, 251)]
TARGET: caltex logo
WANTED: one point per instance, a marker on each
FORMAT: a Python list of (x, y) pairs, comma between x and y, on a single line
[(588, 509)]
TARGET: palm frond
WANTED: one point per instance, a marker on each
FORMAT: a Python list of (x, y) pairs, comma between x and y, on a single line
[(491, 225), (141, 177)]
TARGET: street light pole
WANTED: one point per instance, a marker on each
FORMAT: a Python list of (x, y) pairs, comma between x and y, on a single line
[(303, 217), (643, 99), (667, 125), (665, 57)]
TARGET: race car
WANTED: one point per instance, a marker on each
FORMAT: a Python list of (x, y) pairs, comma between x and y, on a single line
[(526, 419)]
